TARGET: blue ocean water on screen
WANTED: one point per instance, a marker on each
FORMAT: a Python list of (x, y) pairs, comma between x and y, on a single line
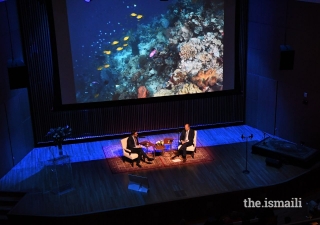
[(139, 49)]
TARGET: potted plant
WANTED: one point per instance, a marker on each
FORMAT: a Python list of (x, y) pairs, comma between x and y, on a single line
[(160, 143), (59, 134)]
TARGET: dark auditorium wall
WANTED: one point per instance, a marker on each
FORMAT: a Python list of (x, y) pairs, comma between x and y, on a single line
[(16, 138), (274, 100), (220, 110)]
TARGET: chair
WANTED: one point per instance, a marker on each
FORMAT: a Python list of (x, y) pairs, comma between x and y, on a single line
[(126, 152), (192, 148)]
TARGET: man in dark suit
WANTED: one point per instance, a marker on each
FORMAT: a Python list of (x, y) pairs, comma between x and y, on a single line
[(135, 147), (186, 140)]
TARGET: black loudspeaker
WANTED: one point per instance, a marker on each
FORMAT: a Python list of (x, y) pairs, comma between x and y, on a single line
[(273, 162), (286, 57), (18, 77)]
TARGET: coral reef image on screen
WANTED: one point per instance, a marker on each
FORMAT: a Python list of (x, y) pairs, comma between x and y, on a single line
[(125, 49)]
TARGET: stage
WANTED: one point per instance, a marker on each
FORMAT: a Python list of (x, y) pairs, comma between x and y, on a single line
[(98, 190)]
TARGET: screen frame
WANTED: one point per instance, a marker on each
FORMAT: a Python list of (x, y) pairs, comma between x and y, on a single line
[(57, 98)]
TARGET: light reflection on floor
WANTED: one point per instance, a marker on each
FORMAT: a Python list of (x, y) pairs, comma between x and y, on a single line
[(36, 160)]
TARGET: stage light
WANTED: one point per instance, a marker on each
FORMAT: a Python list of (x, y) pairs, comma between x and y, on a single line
[(87, 0)]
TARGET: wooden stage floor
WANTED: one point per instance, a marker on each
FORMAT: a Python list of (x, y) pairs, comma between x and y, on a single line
[(97, 189)]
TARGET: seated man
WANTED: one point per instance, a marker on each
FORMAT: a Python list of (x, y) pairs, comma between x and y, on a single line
[(186, 140), (135, 147)]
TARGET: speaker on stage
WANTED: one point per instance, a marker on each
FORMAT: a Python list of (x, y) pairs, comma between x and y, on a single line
[(273, 162), (286, 57)]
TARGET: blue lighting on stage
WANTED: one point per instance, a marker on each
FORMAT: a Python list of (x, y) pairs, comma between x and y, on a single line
[(36, 160)]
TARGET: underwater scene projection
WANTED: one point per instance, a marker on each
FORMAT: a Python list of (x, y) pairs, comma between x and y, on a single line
[(125, 49)]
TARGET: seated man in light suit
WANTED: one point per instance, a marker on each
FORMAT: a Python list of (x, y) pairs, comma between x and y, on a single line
[(186, 140), (135, 147)]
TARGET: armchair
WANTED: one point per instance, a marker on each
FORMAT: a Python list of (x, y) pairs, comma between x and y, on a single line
[(193, 148), (126, 152)]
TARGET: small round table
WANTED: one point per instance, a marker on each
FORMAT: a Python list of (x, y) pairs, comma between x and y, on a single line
[(159, 147), (168, 141), (148, 144)]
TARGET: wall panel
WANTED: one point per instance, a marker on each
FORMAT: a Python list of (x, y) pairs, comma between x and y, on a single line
[(5, 143), (16, 136), (296, 23)]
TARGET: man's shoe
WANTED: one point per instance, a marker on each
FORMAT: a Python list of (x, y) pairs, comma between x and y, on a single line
[(184, 160), (173, 157), (138, 165), (150, 159)]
